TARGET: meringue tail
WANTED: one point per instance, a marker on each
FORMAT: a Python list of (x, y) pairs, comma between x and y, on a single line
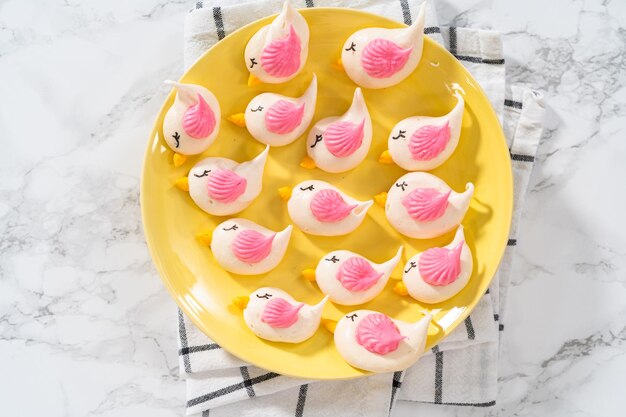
[(317, 308), (344, 138), (378, 334), (441, 266), (383, 58), (254, 168), (184, 93), (251, 246), (225, 185), (418, 331), (281, 57), (426, 204), (284, 116), (279, 313), (357, 274), (199, 120), (329, 206), (416, 31), (390, 265), (429, 141)]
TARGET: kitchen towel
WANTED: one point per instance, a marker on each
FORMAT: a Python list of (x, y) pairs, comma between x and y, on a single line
[(462, 369)]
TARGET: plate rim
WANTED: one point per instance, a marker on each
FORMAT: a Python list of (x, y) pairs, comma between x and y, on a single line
[(186, 307)]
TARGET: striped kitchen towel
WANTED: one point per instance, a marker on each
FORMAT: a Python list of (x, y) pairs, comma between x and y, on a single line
[(462, 370)]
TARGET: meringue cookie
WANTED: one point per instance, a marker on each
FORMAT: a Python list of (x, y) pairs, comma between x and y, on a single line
[(319, 208), (277, 52), (375, 342), (350, 279), (191, 124), (274, 315), (422, 143), (422, 206), (379, 58), (243, 247), (438, 274), (340, 143), (277, 120), (221, 186)]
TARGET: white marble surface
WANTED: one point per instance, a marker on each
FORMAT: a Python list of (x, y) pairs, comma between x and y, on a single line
[(86, 328)]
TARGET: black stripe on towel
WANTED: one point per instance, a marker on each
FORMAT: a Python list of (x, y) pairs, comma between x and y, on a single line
[(199, 348), (452, 40), (496, 317), (205, 413), (438, 374), (432, 29), (487, 404), (309, 3), (395, 384), (198, 5), (501, 327), (523, 158), (231, 388), (512, 242), (301, 400), (469, 327), (182, 334), (406, 12), (477, 59), (219, 23), (246, 381), (512, 103)]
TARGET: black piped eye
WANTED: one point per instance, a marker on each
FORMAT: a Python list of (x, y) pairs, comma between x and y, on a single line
[(260, 108), (333, 259), (352, 316), (352, 47), (233, 227), (309, 188), (265, 296), (204, 174)]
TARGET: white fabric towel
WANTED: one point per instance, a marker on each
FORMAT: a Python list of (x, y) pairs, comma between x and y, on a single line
[(462, 369)]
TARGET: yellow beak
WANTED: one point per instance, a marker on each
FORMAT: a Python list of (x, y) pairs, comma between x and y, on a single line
[(182, 183), (241, 302), (253, 80)]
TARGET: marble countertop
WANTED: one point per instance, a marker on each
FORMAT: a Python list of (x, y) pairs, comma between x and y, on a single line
[(86, 324)]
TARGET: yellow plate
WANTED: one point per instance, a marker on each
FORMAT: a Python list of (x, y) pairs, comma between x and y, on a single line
[(204, 291)]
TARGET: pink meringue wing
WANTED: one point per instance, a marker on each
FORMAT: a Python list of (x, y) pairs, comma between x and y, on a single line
[(226, 186), (343, 138), (426, 204), (382, 58), (357, 274), (329, 206), (441, 266), (279, 313), (251, 246), (281, 58), (284, 116), (378, 334), (199, 119), (429, 141)]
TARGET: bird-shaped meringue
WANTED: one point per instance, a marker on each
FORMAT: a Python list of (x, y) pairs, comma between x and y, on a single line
[(374, 342), (278, 120), (221, 186), (319, 208), (243, 247), (274, 315), (277, 52), (438, 274), (349, 278), (340, 143), (191, 124), (422, 206), (422, 143), (379, 58)]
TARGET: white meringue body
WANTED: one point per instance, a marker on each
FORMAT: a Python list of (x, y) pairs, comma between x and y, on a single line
[(257, 110), (401, 134), (307, 324), (199, 177), (318, 150), (299, 208), (408, 352), (399, 218), (224, 236), (327, 279), (173, 131), (352, 52), (277, 30), (427, 293)]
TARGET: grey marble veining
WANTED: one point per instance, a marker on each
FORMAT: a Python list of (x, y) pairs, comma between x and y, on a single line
[(86, 327)]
